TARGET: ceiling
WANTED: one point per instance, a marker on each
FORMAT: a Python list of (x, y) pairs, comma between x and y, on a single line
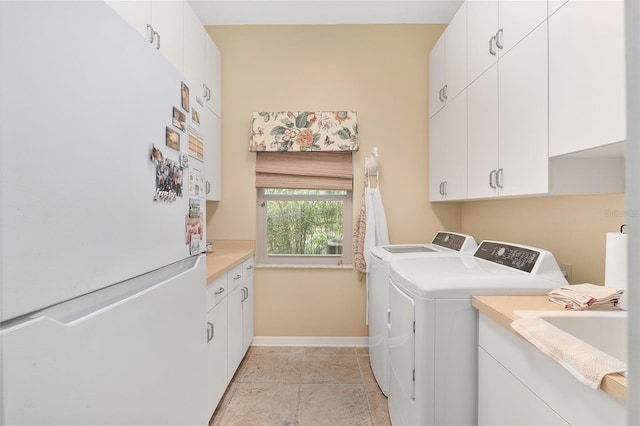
[(260, 12)]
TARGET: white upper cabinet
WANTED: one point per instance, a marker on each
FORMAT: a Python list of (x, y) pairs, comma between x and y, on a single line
[(447, 63), (448, 151), (507, 123), (194, 38), (213, 76), (211, 135), (523, 117), (482, 142), (159, 21), (495, 27), (586, 76)]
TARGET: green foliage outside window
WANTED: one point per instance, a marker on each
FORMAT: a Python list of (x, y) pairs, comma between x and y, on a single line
[(301, 222)]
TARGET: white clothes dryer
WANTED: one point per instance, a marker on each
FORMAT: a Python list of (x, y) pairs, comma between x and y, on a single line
[(433, 329), (443, 244)]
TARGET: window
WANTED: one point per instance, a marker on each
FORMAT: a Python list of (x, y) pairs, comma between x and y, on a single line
[(304, 226), (304, 208)]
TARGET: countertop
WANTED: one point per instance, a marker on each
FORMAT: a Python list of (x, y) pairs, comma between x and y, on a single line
[(226, 255), (500, 309)]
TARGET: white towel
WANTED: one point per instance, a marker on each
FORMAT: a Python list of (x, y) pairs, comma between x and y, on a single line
[(588, 364), (586, 296)]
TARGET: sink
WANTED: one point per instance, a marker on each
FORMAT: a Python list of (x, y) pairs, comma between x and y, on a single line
[(604, 330)]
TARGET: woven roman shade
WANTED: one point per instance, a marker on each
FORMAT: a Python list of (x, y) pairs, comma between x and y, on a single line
[(304, 170)]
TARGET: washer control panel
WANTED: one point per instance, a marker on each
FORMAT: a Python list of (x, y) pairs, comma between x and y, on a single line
[(448, 240), (521, 258)]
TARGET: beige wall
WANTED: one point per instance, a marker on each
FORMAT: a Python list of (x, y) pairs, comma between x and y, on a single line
[(380, 71), (573, 228)]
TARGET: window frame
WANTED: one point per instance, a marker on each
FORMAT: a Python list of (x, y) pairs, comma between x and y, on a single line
[(295, 260)]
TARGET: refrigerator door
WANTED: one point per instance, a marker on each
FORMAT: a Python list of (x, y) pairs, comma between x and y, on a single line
[(84, 99), (130, 354)]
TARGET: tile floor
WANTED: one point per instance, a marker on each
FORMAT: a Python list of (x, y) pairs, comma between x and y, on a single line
[(303, 386)]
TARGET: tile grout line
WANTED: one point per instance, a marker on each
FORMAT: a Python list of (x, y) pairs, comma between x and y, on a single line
[(364, 388)]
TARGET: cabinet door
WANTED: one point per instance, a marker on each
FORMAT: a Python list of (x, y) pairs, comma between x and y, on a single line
[(523, 117), (436, 76), (167, 19), (586, 76), (217, 379), (496, 385), (455, 159), (482, 143), (516, 19), (247, 308), (482, 24), (234, 330), (213, 76), (211, 134), (194, 38), (437, 152), (136, 12), (456, 54)]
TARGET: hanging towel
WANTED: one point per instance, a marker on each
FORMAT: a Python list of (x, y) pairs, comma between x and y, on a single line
[(376, 232), (588, 364), (358, 239)]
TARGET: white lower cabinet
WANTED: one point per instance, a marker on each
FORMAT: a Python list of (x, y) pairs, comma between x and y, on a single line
[(229, 327), (519, 385), (217, 354), (247, 305)]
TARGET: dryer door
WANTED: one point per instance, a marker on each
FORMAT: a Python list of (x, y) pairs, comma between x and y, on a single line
[(401, 322)]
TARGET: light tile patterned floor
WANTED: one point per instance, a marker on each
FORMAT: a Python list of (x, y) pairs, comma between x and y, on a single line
[(311, 386)]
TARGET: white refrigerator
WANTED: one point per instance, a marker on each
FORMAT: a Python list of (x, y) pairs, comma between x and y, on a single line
[(102, 279)]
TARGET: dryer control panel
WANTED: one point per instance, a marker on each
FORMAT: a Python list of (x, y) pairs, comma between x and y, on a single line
[(448, 240), (521, 258)]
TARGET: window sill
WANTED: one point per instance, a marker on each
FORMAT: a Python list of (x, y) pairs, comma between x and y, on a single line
[(301, 266)]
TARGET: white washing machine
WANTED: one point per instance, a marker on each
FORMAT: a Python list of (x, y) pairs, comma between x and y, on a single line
[(443, 244), (433, 329)]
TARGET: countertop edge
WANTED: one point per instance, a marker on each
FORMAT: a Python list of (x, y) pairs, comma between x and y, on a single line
[(500, 309), (223, 260)]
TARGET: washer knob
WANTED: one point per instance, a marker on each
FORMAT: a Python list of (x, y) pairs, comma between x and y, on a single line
[(501, 251)]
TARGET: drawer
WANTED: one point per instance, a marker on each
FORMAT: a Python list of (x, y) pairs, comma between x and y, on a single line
[(216, 291), (247, 268), (234, 277)]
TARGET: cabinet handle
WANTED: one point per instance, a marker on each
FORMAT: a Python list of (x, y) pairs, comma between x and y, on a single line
[(158, 40), (210, 332), (219, 291), (388, 317), (150, 33), (499, 178), (444, 92), (444, 186), (207, 186), (208, 93), (491, 49), (499, 43), (492, 175), (237, 277), (440, 95), (245, 293), (204, 91), (441, 189)]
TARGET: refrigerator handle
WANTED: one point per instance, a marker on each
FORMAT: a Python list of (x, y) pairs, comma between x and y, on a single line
[(85, 307)]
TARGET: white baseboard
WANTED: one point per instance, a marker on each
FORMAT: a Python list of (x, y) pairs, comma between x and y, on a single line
[(310, 341)]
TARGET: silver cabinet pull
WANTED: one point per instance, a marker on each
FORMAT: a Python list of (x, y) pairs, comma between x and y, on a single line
[(441, 188), (492, 175), (204, 91), (210, 332), (208, 93), (499, 178), (250, 267), (237, 277), (440, 95), (207, 186), (444, 92), (499, 43), (388, 317), (491, 49), (444, 186), (245, 294), (158, 40), (219, 291), (150, 33)]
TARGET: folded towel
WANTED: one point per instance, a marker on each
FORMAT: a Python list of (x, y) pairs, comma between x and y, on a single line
[(586, 296), (588, 364)]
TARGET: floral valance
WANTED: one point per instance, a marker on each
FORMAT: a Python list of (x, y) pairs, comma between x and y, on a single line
[(304, 131)]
